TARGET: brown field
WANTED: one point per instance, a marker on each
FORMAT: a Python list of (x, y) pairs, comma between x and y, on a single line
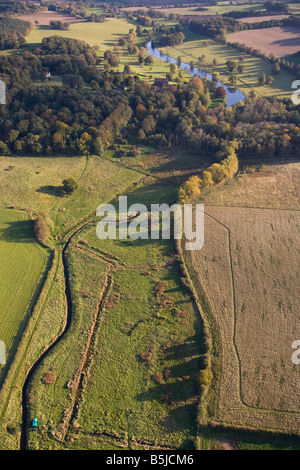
[(281, 41), (198, 17), (249, 271), (277, 186), (254, 19), (45, 17)]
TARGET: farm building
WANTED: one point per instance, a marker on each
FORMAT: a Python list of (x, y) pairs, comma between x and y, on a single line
[(160, 82)]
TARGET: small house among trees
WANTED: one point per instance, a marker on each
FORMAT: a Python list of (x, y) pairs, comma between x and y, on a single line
[(161, 82)]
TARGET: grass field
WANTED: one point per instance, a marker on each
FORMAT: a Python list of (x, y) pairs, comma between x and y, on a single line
[(248, 271), (126, 401), (195, 46), (105, 36), (209, 10), (22, 264), (277, 186), (41, 179), (34, 183)]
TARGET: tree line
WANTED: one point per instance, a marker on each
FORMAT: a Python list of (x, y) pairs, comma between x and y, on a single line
[(92, 107), (13, 32)]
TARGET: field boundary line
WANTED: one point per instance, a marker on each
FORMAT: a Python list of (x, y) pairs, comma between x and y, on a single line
[(263, 410)]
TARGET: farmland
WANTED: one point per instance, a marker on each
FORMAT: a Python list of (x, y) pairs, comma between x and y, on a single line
[(22, 264), (131, 323), (44, 18), (254, 19), (138, 344), (195, 46), (209, 10), (281, 41), (254, 252), (31, 173)]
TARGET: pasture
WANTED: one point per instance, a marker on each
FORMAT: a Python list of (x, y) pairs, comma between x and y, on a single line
[(104, 35), (40, 185), (139, 388), (209, 10), (196, 46), (22, 264)]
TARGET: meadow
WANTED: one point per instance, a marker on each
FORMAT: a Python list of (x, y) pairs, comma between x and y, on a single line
[(195, 46), (23, 262), (209, 10), (138, 387), (124, 373), (34, 184), (40, 185)]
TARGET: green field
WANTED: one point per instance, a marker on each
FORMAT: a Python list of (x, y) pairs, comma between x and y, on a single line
[(212, 10), (129, 398), (104, 35), (22, 263), (195, 46), (125, 373), (40, 183), (34, 183)]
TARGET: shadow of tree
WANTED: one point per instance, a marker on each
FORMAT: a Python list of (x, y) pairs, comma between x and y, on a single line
[(56, 191), (20, 231), (180, 383)]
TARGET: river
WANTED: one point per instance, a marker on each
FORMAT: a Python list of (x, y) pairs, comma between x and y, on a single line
[(233, 96)]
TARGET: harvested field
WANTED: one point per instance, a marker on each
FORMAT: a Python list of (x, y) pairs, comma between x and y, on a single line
[(249, 270), (45, 17), (281, 41), (277, 186)]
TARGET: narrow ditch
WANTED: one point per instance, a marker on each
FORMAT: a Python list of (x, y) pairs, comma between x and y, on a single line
[(25, 427), (88, 354)]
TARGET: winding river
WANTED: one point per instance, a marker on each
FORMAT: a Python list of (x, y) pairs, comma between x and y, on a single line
[(233, 96)]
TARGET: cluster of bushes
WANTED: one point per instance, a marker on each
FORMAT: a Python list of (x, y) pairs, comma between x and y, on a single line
[(11, 41), (13, 32), (73, 47), (205, 375), (14, 8), (59, 25), (171, 39), (42, 228), (215, 174), (77, 9), (132, 152)]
